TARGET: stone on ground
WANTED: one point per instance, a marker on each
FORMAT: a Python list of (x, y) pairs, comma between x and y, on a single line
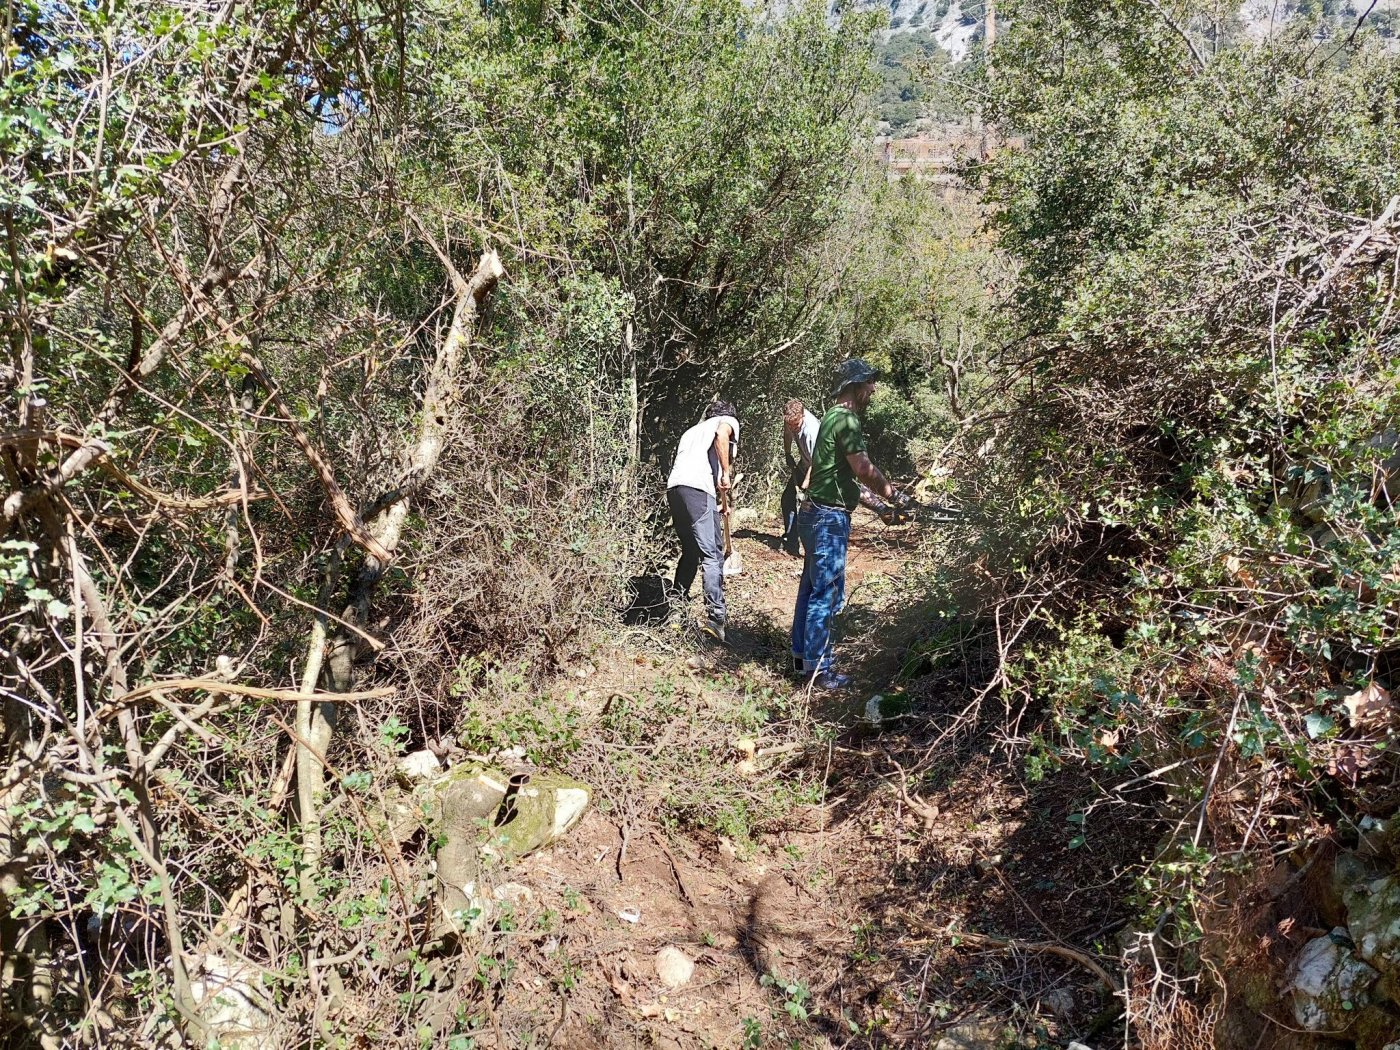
[(1328, 983), (674, 967), (228, 998), (974, 1035)]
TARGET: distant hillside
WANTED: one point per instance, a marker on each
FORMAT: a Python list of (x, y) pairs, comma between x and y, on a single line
[(910, 87), (956, 25), (927, 36)]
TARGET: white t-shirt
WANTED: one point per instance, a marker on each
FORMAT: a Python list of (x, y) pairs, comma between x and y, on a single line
[(696, 463), (807, 435)]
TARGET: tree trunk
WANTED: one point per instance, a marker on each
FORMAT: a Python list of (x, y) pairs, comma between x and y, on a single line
[(316, 721)]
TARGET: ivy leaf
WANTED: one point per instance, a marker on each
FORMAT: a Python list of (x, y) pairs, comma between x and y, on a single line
[(1318, 725)]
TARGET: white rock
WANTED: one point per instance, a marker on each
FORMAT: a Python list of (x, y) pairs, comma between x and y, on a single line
[(674, 967), (513, 893), (745, 516), (975, 1035), (1327, 983), (872, 709), (418, 767), (569, 804), (229, 1000), (629, 914)]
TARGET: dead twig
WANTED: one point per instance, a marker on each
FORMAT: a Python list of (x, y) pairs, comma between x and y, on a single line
[(1048, 947)]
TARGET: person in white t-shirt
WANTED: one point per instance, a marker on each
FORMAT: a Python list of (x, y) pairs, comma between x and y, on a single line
[(800, 429), (700, 474)]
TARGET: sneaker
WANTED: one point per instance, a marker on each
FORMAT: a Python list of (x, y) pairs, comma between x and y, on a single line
[(714, 631), (832, 682)]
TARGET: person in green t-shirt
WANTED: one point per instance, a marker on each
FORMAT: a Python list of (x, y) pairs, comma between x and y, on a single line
[(840, 465)]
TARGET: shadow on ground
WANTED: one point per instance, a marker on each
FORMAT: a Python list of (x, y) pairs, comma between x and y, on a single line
[(934, 883), (646, 602)]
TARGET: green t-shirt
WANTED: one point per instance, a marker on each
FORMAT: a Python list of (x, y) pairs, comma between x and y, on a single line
[(833, 481)]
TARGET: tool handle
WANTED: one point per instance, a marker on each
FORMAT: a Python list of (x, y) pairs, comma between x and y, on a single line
[(728, 540)]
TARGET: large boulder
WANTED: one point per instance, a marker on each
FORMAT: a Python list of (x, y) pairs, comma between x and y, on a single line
[(1328, 983), (482, 818), (463, 804), (541, 812)]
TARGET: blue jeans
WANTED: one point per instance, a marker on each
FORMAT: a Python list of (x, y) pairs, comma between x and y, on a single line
[(825, 533)]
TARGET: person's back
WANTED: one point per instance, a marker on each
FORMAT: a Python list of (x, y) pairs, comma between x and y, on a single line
[(697, 464), (700, 472), (807, 434), (799, 428)]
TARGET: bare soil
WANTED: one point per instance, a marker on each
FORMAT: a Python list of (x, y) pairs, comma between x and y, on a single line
[(862, 919)]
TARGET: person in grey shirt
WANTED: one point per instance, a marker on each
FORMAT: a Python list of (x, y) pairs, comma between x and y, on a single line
[(700, 476), (800, 429)]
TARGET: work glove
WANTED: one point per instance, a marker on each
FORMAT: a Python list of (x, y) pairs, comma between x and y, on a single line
[(898, 510)]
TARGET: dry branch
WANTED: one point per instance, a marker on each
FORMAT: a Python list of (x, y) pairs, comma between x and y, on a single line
[(217, 685), (17, 503), (340, 504), (163, 500), (315, 724), (1064, 951), (1315, 293)]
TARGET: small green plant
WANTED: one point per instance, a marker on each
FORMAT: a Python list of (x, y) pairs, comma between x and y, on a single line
[(865, 949), (568, 975), (393, 734), (796, 995), (753, 1033)]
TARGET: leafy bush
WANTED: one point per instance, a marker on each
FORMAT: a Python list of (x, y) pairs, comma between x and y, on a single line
[(1182, 471)]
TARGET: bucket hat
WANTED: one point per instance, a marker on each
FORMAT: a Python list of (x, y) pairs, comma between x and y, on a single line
[(853, 371)]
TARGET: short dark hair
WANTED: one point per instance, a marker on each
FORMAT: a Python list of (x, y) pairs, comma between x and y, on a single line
[(721, 408)]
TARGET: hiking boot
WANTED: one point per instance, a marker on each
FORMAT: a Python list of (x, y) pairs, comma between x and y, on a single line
[(832, 682), (713, 631)]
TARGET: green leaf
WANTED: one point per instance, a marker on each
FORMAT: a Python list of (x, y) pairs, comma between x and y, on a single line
[(1318, 725)]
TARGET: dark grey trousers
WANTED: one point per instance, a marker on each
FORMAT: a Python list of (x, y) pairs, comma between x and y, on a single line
[(698, 526)]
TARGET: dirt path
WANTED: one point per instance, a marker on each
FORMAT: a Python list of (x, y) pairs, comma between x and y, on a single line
[(848, 916)]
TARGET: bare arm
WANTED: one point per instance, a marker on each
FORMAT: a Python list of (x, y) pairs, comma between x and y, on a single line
[(722, 453), (870, 474)]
